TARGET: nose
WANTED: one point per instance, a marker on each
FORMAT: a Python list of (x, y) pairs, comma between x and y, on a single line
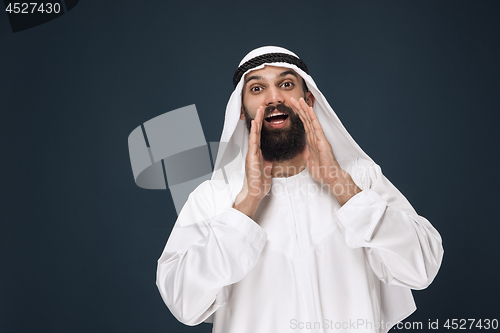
[(274, 96)]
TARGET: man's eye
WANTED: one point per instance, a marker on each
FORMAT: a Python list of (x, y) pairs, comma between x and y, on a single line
[(255, 89), (287, 84)]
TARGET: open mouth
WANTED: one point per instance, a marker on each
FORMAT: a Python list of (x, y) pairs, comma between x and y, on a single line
[(276, 118)]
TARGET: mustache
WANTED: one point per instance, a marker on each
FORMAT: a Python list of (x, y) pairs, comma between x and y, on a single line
[(280, 107)]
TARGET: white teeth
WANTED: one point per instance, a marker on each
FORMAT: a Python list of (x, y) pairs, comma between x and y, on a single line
[(276, 114)]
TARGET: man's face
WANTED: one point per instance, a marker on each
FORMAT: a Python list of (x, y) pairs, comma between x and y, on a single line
[(283, 135)]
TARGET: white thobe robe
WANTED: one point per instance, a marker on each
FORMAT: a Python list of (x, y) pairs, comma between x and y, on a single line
[(305, 264)]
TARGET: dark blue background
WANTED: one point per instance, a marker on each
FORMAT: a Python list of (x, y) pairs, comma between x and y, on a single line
[(416, 83)]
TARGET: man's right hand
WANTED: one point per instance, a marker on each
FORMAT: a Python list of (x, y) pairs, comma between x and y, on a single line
[(257, 172)]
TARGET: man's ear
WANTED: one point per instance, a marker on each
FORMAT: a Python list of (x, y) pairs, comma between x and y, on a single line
[(242, 114), (310, 99)]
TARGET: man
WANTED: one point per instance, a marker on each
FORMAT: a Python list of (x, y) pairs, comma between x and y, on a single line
[(300, 231)]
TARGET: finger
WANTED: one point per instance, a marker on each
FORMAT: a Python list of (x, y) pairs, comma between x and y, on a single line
[(259, 118), (252, 141), (303, 117), (313, 119), (255, 130), (316, 126), (310, 134), (312, 139), (305, 108), (295, 105), (258, 115), (296, 109)]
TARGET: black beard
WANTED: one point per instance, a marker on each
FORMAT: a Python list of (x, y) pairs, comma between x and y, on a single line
[(281, 144)]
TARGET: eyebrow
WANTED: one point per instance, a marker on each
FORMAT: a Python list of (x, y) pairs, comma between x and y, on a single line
[(289, 72), (255, 77)]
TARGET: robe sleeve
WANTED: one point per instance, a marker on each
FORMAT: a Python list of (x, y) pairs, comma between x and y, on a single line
[(402, 248), (206, 251)]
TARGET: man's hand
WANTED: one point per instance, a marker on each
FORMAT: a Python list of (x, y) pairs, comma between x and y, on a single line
[(257, 171), (320, 160)]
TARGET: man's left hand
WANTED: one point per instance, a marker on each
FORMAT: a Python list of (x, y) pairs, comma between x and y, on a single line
[(320, 160)]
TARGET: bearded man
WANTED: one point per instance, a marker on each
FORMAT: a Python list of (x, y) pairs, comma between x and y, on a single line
[(301, 230)]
